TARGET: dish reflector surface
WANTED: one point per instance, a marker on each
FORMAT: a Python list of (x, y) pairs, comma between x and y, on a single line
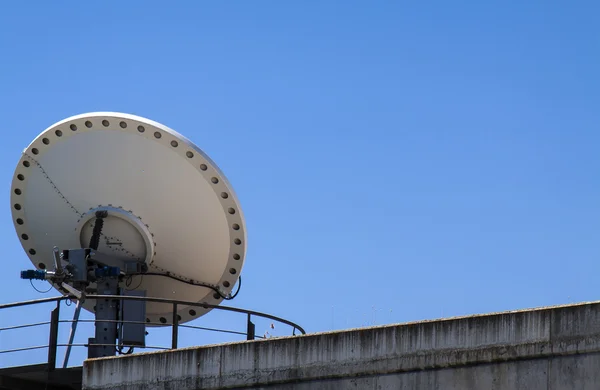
[(169, 205)]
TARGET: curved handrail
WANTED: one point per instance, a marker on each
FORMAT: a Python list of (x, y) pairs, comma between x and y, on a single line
[(175, 325), (203, 305), (36, 301), (158, 300)]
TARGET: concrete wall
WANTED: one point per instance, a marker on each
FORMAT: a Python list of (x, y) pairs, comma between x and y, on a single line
[(550, 348)]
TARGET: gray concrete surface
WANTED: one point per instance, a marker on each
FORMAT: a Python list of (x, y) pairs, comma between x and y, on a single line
[(552, 348)]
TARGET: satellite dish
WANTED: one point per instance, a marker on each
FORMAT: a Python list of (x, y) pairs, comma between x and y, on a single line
[(167, 205)]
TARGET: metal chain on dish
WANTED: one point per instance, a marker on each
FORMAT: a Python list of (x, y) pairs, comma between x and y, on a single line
[(52, 184), (79, 214)]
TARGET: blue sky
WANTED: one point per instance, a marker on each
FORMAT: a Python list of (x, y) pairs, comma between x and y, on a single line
[(394, 161)]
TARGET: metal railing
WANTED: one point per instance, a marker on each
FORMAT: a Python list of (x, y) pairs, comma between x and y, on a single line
[(55, 322)]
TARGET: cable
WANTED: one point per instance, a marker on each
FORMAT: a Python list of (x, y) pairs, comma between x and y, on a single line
[(35, 288), (119, 349), (199, 284), (238, 289), (130, 279)]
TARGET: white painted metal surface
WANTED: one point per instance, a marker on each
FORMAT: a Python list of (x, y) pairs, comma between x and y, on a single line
[(168, 203)]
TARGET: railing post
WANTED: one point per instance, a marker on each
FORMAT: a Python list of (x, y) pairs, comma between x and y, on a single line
[(53, 338), (175, 327), (251, 329)]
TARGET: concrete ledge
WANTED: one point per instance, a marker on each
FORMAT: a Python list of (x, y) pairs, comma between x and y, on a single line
[(538, 334)]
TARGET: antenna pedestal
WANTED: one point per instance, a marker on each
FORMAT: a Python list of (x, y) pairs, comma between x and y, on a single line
[(107, 310), (118, 323)]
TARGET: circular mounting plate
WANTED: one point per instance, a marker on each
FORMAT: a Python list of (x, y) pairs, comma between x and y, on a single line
[(170, 206)]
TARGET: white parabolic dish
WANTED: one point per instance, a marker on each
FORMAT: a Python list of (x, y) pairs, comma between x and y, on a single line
[(168, 203)]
